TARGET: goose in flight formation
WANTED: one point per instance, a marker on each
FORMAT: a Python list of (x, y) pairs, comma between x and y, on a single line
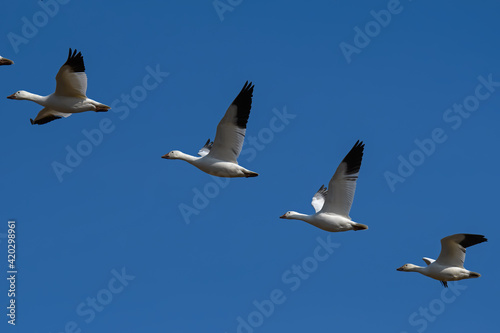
[(332, 205), (5, 61), (219, 158), (70, 95), (449, 266)]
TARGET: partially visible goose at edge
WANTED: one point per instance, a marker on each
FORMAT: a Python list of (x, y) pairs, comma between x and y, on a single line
[(332, 206), (5, 61), (219, 158), (449, 266), (70, 95)]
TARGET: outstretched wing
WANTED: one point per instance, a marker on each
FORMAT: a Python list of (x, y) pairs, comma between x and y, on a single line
[(206, 148), (453, 248), (343, 183), (47, 115), (428, 261), (319, 198), (71, 79), (231, 129)]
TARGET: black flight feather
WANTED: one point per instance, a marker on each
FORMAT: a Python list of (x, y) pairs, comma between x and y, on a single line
[(75, 61), (471, 239), (243, 103), (354, 157), (44, 120)]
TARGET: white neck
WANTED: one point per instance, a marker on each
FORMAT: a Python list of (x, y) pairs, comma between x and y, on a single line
[(35, 98), (188, 158), (299, 216), (419, 269)]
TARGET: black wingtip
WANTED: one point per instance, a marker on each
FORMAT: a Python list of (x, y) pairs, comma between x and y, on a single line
[(44, 120), (354, 157), (244, 103), (472, 239), (322, 191), (208, 145), (444, 283), (75, 61), (248, 86)]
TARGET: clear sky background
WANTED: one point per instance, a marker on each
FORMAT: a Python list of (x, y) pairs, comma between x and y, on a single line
[(320, 85)]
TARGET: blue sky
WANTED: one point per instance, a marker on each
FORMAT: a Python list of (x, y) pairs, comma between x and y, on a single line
[(103, 246)]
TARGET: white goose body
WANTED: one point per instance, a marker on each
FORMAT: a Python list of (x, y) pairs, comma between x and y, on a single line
[(326, 221), (332, 206), (70, 95), (447, 273), (219, 158), (441, 272), (62, 104), (213, 166), (449, 264)]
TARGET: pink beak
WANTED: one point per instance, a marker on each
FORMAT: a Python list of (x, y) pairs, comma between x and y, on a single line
[(283, 216), (164, 156), (13, 96)]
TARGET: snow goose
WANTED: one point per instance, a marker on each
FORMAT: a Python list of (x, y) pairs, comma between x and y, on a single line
[(332, 206), (70, 95), (219, 158), (449, 266), (5, 61)]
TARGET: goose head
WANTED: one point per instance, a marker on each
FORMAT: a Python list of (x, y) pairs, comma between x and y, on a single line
[(21, 94), (289, 215), (408, 268), (173, 155)]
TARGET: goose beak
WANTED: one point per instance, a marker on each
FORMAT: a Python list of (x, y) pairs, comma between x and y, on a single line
[(164, 156), (283, 216), (400, 269), (13, 96), (5, 61)]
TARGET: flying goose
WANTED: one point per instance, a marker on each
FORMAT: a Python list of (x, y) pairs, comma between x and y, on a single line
[(449, 266), (219, 158), (332, 206), (70, 95), (5, 61)]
